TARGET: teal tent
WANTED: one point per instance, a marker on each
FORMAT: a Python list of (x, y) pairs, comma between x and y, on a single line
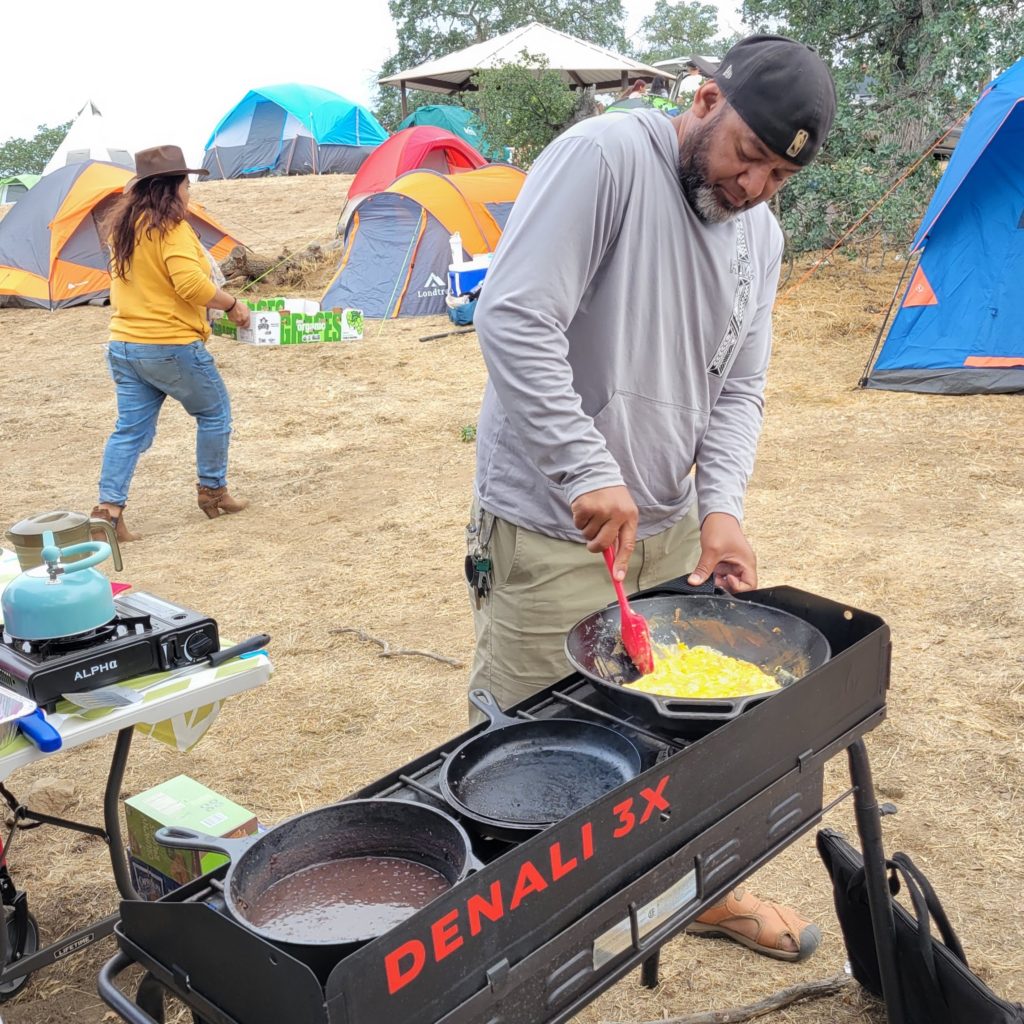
[(14, 187), (291, 129), (459, 121)]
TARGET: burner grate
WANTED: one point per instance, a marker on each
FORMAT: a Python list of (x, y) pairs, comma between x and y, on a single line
[(120, 625)]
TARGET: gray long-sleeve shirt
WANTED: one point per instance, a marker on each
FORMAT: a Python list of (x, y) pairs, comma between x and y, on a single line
[(625, 340)]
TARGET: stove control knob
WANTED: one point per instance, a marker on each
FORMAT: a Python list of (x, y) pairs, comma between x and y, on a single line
[(198, 646)]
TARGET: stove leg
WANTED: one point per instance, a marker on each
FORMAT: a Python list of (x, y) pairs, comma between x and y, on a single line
[(649, 970), (150, 998), (869, 827), (112, 815)]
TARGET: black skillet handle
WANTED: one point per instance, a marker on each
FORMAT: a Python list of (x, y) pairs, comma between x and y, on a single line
[(678, 586), (483, 701), (178, 838), (254, 643)]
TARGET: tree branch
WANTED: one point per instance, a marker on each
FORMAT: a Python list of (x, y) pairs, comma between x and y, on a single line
[(387, 651), (810, 990)]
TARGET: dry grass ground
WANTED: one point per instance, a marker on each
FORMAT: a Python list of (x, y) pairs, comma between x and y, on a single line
[(908, 506)]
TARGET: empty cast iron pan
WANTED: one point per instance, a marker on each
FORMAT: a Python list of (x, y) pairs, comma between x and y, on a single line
[(519, 776)]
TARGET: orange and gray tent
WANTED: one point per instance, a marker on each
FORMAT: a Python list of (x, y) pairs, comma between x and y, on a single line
[(51, 253), (396, 252)]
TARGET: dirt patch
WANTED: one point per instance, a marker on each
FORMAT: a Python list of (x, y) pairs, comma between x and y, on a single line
[(903, 505)]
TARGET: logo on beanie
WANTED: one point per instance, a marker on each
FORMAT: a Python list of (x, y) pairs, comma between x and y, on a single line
[(798, 143), (727, 73)]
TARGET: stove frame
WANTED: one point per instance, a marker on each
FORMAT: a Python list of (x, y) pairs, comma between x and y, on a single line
[(646, 859)]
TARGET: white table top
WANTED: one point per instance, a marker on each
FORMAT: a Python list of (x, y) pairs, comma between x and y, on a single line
[(177, 713)]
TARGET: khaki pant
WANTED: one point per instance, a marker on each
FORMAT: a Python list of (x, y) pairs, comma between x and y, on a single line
[(541, 587)]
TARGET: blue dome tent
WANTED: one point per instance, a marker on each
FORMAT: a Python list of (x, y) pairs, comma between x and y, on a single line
[(958, 330), (291, 129)]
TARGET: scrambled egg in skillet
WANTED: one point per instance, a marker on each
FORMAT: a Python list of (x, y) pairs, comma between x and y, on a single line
[(700, 672)]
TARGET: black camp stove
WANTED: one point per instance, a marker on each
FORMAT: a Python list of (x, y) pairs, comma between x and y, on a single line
[(549, 923), (148, 634)]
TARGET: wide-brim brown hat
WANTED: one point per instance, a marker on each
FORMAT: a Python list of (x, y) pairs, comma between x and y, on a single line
[(162, 162)]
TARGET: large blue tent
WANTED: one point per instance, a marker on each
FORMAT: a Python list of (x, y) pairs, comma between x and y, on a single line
[(959, 329), (291, 129)]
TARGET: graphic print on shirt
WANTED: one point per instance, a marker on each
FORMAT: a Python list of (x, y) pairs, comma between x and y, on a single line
[(726, 353)]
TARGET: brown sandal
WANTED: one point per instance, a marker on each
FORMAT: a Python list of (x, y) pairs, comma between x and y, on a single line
[(759, 925)]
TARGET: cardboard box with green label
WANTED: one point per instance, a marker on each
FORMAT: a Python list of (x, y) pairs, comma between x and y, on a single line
[(290, 321), (189, 804)]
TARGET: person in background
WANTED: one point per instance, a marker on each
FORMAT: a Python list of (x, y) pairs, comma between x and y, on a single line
[(160, 290), (634, 91), (626, 328), (642, 94), (657, 97), (690, 82)]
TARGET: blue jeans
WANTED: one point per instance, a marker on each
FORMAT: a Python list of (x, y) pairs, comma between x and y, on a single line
[(147, 374)]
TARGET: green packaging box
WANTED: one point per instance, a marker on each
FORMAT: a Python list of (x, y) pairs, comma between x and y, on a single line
[(189, 804), (289, 321)]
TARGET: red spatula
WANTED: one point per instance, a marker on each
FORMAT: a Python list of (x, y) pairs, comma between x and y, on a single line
[(636, 634)]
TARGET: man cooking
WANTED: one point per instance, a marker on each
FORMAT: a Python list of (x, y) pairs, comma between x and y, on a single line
[(626, 327)]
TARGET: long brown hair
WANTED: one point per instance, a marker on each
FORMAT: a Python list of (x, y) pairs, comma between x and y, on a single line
[(152, 204)]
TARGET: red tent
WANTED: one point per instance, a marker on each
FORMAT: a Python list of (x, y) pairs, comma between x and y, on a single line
[(422, 146)]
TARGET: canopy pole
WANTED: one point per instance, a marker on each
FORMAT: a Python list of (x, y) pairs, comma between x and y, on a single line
[(405, 100), (624, 79)]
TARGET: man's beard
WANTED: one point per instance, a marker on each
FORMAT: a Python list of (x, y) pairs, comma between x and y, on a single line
[(693, 180)]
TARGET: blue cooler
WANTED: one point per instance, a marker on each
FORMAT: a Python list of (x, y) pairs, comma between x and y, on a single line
[(464, 278)]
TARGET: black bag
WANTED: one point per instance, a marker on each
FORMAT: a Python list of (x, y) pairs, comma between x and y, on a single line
[(936, 983)]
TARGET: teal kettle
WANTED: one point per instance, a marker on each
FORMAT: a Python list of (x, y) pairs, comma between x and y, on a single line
[(59, 599)]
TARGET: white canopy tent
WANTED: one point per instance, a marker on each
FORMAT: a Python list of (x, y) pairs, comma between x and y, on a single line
[(87, 140), (580, 63)]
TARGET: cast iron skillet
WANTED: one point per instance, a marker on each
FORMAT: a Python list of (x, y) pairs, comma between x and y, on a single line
[(778, 642), (355, 828), (519, 776)]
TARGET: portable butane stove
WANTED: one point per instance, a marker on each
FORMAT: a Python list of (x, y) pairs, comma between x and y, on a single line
[(148, 634)]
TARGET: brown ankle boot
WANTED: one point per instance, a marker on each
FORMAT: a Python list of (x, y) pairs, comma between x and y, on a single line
[(215, 500), (121, 532)]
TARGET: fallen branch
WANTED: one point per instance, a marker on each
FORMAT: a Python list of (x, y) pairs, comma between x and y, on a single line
[(286, 268), (447, 334), (810, 990), (387, 651)]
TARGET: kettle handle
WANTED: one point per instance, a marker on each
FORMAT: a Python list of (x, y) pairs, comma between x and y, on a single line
[(101, 552), (115, 549)]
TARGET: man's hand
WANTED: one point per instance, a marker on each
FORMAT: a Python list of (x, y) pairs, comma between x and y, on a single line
[(607, 518), (725, 552)]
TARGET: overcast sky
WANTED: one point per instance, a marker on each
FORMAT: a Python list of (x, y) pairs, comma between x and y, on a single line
[(166, 73)]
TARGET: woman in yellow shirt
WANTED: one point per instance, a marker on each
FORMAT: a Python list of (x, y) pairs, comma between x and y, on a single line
[(160, 289)]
